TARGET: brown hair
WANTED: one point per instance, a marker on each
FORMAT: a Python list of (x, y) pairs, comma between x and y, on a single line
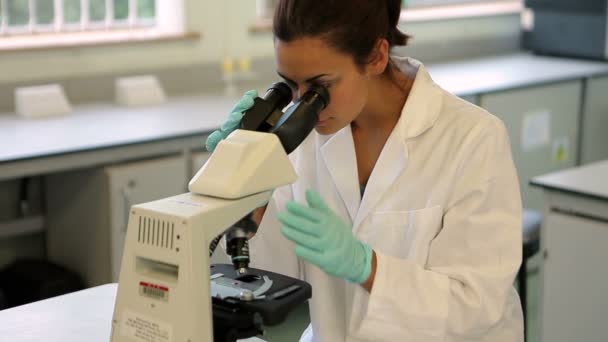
[(352, 27)]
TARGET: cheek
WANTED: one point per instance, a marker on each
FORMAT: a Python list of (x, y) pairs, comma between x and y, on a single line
[(345, 104)]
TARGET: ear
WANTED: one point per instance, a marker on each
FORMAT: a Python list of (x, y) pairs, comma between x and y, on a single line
[(378, 58)]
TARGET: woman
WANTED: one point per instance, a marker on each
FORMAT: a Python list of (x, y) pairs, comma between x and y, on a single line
[(406, 216)]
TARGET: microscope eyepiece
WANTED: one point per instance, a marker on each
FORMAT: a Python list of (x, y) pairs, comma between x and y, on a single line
[(315, 92), (267, 110), (293, 125), (279, 95)]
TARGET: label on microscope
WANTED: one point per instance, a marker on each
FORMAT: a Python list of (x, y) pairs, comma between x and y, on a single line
[(154, 291), (144, 329)]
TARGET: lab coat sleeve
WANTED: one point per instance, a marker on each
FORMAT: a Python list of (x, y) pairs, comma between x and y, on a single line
[(463, 290), (269, 249)]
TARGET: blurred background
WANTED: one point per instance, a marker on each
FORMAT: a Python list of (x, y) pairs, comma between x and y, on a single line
[(107, 103)]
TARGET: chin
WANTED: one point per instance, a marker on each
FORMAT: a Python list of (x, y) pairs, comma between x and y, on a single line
[(327, 130)]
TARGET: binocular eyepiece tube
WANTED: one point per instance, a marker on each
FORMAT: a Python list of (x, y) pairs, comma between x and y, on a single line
[(293, 125)]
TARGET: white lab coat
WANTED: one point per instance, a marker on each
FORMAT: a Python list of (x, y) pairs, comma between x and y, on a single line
[(442, 210)]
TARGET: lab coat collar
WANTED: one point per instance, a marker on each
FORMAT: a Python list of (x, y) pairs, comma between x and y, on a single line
[(338, 151), (419, 113), (424, 102)]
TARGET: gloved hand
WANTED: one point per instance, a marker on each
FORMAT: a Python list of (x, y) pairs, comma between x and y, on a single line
[(233, 121), (324, 239)]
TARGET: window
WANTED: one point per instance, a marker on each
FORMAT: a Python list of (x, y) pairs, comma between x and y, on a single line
[(41, 16), (430, 9), (265, 8), (427, 3), (29, 23)]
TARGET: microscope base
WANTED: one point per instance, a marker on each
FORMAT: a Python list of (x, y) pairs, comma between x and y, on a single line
[(235, 318)]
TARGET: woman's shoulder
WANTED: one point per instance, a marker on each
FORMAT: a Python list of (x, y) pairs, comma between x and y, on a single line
[(464, 133), (468, 118), (430, 106)]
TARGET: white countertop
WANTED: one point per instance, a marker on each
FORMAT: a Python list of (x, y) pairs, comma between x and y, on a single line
[(590, 180), (100, 126), (92, 127), (76, 317), (511, 71)]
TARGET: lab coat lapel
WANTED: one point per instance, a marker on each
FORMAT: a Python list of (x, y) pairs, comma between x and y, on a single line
[(417, 116), (390, 164), (339, 157)]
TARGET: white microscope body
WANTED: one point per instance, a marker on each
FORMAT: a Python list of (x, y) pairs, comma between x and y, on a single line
[(164, 285)]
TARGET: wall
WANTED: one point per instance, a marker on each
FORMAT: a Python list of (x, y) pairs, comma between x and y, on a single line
[(225, 32), (192, 65), (220, 22)]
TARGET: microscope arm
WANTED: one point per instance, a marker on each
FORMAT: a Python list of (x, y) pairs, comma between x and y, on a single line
[(245, 163), (165, 275)]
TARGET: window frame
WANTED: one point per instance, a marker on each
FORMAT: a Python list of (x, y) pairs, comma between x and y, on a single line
[(411, 4), (461, 10), (443, 10), (167, 25)]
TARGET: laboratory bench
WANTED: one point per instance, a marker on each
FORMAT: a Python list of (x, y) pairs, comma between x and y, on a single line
[(103, 158), (75, 317), (573, 302), (102, 134), (107, 133)]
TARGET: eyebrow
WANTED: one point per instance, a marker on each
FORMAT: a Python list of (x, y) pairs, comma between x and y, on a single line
[(307, 81)]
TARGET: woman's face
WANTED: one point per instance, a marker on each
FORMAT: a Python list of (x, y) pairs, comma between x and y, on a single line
[(309, 61)]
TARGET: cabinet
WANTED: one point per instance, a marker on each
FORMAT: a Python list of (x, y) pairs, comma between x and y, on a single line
[(198, 160), (574, 234), (542, 123), (574, 302), (88, 210), (471, 98), (594, 137)]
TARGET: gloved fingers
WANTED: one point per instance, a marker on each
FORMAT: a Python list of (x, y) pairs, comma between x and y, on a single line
[(235, 117), (310, 255), (245, 102), (299, 223), (232, 122), (251, 93), (301, 239), (303, 211), (315, 201), (213, 139)]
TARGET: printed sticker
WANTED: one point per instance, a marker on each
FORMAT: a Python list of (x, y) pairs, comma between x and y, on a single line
[(154, 291), (144, 329)]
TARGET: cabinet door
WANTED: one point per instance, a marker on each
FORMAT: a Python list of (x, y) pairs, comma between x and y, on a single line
[(135, 183), (543, 127), (198, 160), (595, 121), (574, 279), (471, 98)]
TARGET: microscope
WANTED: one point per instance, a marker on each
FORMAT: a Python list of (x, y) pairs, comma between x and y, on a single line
[(168, 290)]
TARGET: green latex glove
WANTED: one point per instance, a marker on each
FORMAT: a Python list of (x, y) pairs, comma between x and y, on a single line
[(234, 120), (324, 239)]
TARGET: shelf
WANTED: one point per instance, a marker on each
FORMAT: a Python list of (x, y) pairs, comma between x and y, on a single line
[(22, 226)]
